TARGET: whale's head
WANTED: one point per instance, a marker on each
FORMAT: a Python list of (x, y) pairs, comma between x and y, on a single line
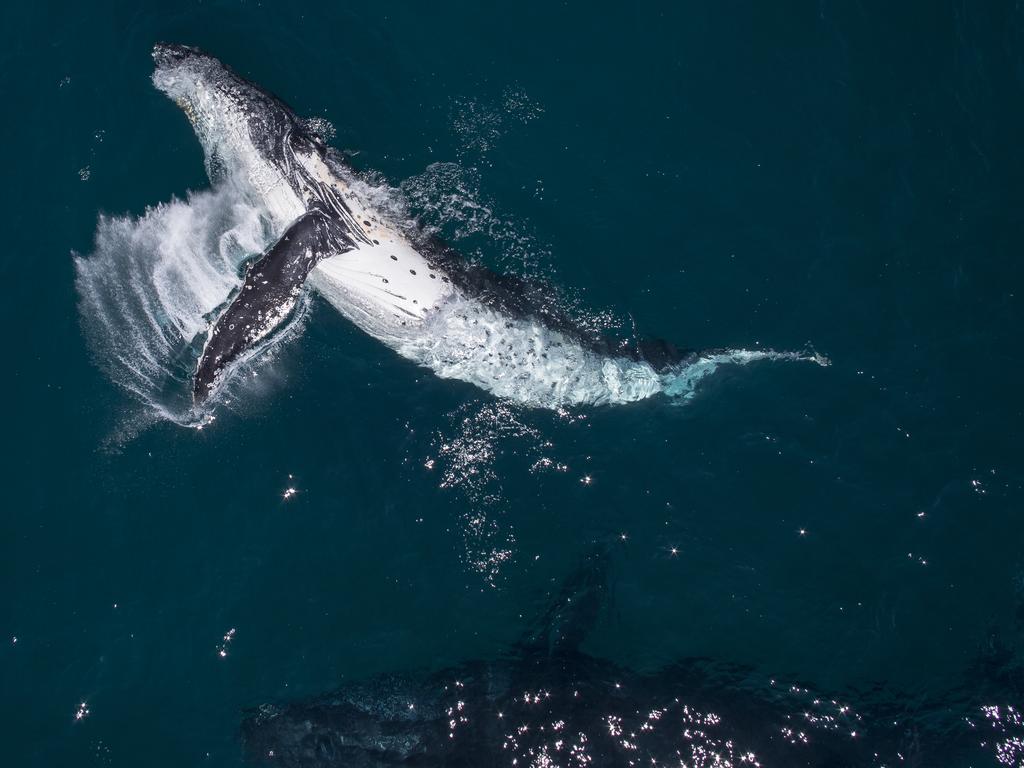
[(241, 127)]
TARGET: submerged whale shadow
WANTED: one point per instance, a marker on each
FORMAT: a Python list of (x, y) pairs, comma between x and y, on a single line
[(547, 703)]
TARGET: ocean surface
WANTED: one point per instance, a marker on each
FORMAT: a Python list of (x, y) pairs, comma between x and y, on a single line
[(842, 179)]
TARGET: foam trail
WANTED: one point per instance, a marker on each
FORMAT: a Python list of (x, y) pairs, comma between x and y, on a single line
[(151, 283), (681, 382)]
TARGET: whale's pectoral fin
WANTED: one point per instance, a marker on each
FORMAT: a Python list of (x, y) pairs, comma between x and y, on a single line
[(269, 293)]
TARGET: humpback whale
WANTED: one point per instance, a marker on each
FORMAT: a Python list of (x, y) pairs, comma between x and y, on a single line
[(403, 287), (546, 702)]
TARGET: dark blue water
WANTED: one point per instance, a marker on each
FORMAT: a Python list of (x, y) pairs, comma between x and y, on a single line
[(721, 174)]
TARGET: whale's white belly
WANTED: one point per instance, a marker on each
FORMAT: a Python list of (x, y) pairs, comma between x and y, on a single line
[(387, 289), (393, 294)]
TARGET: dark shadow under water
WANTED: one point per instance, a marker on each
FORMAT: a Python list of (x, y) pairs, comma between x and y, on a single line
[(547, 703)]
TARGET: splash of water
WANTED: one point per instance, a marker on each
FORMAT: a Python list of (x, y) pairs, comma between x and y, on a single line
[(681, 382), (466, 452), (151, 284), (479, 125)]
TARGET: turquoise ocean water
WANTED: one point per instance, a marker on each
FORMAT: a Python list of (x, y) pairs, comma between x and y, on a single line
[(842, 176)]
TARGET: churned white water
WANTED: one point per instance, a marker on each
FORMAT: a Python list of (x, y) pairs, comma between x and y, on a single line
[(152, 282), (523, 360)]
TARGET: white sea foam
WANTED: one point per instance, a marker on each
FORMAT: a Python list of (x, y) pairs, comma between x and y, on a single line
[(680, 382), (151, 283), (523, 360)]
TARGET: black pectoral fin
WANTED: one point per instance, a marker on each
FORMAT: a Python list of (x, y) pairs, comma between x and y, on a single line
[(268, 294)]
